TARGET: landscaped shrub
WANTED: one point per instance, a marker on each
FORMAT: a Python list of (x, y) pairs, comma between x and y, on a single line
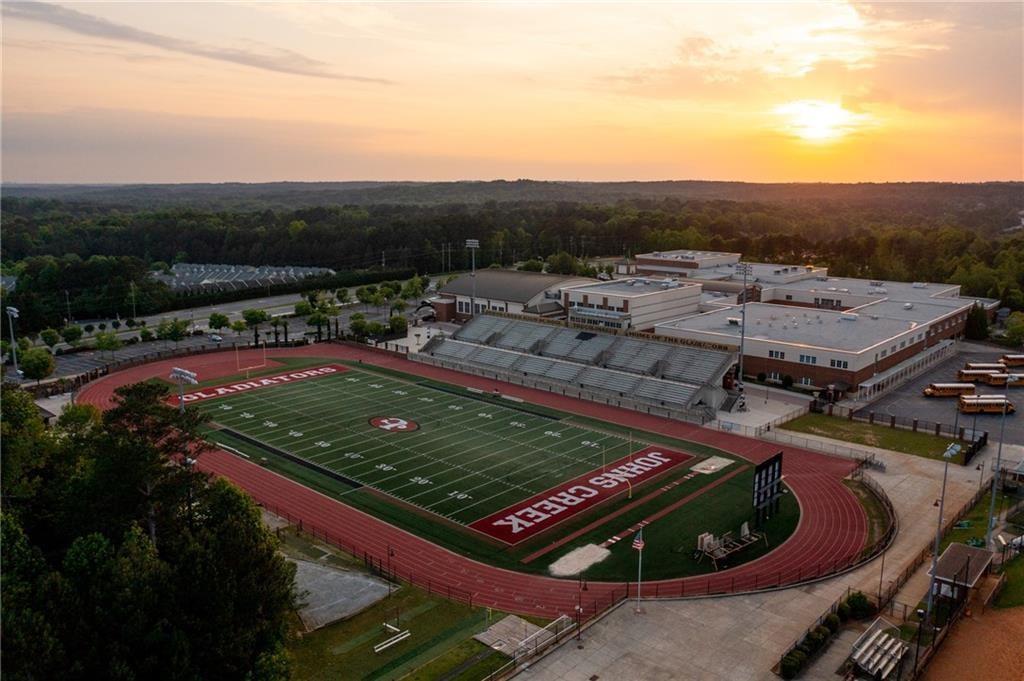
[(792, 664), (824, 632), (813, 641), (787, 381), (843, 610), (832, 622), (761, 377), (860, 606), (146, 335)]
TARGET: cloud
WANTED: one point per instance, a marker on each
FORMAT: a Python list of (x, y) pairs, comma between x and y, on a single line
[(279, 61)]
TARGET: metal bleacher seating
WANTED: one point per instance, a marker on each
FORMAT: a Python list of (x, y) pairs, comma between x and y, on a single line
[(481, 328), (612, 381), (523, 336), (636, 355), (648, 371)]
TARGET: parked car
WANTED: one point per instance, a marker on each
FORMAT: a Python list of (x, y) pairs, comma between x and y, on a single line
[(215, 338)]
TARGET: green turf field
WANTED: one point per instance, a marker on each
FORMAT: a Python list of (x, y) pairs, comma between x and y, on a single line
[(467, 459), (496, 463)]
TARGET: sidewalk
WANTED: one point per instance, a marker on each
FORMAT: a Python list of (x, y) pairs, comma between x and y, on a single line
[(742, 637)]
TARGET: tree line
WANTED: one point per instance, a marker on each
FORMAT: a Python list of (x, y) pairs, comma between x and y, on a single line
[(170, 574), (897, 241)]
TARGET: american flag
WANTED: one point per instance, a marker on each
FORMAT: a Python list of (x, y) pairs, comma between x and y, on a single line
[(638, 540)]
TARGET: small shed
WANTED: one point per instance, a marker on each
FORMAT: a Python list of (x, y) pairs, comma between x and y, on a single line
[(960, 567)]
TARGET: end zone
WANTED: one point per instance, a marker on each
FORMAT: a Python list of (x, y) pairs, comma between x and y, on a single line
[(543, 511), (255, 383)]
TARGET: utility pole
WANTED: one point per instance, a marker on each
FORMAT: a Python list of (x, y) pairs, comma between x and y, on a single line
[(67, 301), (383, 261), (133, 301), (472, 245), (12, 314), (745, 268), (951, 451)]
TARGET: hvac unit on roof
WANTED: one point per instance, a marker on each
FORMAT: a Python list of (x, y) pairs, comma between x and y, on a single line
[(733, 321), (844, 290), (831, 288), (848, 316)]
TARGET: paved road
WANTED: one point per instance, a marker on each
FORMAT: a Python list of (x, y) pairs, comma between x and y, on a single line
[(80, 362)]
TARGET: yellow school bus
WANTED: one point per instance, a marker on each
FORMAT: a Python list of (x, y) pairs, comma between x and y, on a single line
[(974, 375), (986, 366), (949, 389), (1013, 360), (985, 404)]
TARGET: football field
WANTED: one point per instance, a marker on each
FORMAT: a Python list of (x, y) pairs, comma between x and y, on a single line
[(479, 460)]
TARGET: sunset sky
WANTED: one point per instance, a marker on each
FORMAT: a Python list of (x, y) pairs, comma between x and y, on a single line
[(829, 91)]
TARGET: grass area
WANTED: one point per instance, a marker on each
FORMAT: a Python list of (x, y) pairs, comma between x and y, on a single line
[(878, 518), (468, 661), (974, 524), (342, 413), (1012, 595), (908, 442), (440, 639)]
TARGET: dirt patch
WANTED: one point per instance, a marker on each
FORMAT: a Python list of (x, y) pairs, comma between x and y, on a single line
[(984, 646)]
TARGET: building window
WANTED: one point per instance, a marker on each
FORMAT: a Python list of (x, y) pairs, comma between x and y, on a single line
[(789, 297), (776, 354), (805, 381), (774, 375), (884, 353), (808, 359), (839, 364)]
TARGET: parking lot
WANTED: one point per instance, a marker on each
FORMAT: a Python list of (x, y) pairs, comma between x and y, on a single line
[(909, 402)]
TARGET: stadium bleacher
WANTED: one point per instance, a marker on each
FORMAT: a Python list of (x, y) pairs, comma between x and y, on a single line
[(618, 366)]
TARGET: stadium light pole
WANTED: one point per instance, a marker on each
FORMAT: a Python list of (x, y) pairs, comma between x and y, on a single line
[(746, 269), (1013, 378), (183, 376), (12, 314), (472, 245), (952, 450)]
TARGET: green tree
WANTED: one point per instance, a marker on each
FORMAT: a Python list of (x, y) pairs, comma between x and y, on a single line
[(253, 318), (145, 335), (218, 321), (238, 327), (562, 263), (37, 363), (318, 319), (343, 295), (398, 306), (275, 324), (398, 324), (303, 308), (171, 574), (357, 325), (375, 329), (89, 328), (71, 334), (533, 265), (1015, 328), (172, 330), (976, 327), (364, 296), (108, 341), (50, 336)]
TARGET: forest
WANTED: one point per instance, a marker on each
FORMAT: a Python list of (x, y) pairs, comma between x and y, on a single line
[(98, 251)]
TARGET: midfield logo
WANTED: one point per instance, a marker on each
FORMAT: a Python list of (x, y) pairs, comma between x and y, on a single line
[(393, 424)]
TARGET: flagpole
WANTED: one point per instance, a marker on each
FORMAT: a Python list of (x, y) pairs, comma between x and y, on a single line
[(639, 566)]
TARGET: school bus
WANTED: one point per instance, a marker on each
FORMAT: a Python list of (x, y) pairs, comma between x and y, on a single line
[(974, 375), (985, 404), (986, 366), (996, 379), (1013, 360), (949, 389)]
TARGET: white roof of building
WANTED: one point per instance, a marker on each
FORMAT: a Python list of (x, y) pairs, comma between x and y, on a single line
[(893, 290), (631, 288), (689, 254), (800, 326)]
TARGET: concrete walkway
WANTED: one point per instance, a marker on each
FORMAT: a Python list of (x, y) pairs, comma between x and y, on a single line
[(739, 638)]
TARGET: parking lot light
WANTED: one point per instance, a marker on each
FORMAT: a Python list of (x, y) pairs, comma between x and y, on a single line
[(1010, 380)]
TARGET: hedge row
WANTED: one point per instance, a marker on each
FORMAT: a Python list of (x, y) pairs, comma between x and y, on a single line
[(856, 606)]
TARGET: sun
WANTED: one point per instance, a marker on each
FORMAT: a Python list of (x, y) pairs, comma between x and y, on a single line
[(817, 120)]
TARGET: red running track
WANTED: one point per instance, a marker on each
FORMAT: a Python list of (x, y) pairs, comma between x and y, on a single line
[(829, 536)]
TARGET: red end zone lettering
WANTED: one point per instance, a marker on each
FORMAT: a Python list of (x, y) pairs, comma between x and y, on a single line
[(256, 383), (543, 511)]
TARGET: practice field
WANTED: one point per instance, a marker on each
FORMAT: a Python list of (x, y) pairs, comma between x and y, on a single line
[(490, 464)]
